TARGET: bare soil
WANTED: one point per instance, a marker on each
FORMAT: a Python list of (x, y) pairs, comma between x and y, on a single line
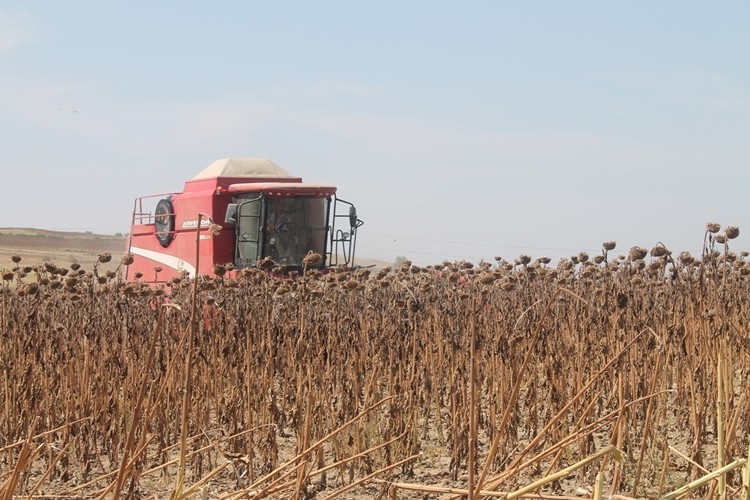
[(37, 246)]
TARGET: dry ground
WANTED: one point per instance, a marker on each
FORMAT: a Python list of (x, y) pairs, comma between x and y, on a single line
[(37, 246)]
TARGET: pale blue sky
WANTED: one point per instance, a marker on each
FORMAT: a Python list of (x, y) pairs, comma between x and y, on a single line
[(459, 129)]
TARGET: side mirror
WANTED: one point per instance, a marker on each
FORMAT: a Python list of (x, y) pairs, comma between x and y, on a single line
[(353, 216), (231, 217)]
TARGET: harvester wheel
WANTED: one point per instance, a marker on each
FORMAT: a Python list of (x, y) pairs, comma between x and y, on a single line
[(164, 222)]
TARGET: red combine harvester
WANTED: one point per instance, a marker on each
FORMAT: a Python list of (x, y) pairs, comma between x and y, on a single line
[(267, 213)]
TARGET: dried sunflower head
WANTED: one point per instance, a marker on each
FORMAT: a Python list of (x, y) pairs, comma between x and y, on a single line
[(637, 253), (660, 251), (487, 278), (523, 259), (686, 258), (312, 259)]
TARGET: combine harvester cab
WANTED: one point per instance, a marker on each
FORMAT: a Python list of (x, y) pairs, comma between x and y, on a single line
[(265, 212)]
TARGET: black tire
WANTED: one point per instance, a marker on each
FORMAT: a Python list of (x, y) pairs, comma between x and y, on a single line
[(164, 222)]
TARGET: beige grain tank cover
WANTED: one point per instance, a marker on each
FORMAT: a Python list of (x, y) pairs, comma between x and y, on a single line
[(243, 167)]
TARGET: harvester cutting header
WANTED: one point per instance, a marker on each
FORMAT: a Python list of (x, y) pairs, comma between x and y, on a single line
[(267, 214)]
